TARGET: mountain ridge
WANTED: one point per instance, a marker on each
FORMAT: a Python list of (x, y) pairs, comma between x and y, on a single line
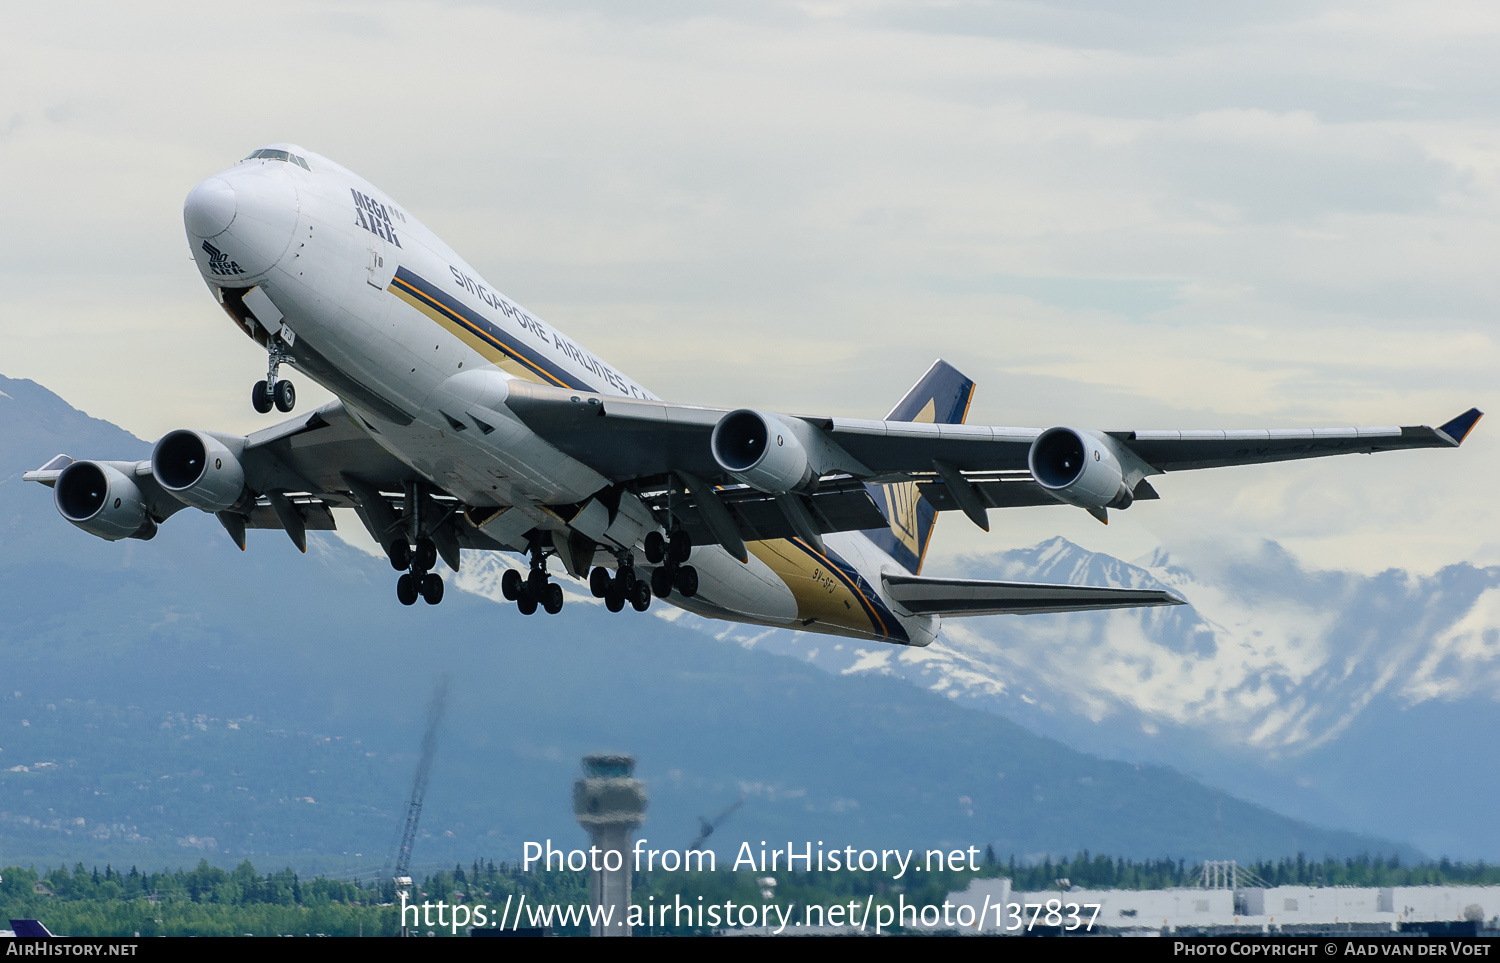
[(184, 627)]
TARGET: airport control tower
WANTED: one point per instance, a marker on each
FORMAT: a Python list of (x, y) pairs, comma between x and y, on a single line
[(610, 805)]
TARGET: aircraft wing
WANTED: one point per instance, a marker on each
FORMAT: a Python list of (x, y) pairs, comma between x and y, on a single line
[(311, 453), (302, 468), (325, 459), (904, 447), (956, 596), (307, 454), (971, 468), (626, 438)]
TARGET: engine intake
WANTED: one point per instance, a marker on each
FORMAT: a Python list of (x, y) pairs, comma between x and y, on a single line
[(198, 470), (103, 501), (760, 451), (1079, 469)]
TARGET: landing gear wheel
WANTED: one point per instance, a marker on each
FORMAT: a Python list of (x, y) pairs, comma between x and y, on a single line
[(656, 548), (526, 603), (553, 600), (682, 546), (400, 556), (661, 582), (614, 599), (425, 555), (432, 589), (687, 581), (536, 583), (627, 580), (260, 397), (510, 585), (406, 589), (641, 600), (285, 396), (599, 582)]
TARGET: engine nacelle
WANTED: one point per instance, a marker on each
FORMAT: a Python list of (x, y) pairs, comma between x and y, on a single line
[(198, 470), (760, 451), (103, 501), (1079, 469)]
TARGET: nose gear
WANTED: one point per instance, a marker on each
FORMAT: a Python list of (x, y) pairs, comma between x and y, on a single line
[(271, 392)]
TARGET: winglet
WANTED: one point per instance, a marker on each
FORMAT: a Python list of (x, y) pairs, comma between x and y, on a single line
[(1458, 429)]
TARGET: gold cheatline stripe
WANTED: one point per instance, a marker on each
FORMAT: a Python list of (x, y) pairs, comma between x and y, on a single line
[(849, 583), (469, 325)]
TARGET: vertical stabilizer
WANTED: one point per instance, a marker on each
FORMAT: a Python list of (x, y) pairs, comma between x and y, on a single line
[(941, 397), (28, 929)]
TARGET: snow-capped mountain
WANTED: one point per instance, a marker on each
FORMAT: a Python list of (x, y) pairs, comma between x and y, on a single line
[(1318, 693), (1345, 701)]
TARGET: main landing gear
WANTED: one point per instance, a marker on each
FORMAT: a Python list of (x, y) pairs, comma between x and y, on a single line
[(621, 587), (669, 554), (536, 589), (419, 580), (271, 391)]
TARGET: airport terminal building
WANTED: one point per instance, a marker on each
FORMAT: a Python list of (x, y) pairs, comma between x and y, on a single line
[(1228, 910)]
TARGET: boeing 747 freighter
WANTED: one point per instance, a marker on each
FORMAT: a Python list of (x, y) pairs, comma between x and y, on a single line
[(463, 421)]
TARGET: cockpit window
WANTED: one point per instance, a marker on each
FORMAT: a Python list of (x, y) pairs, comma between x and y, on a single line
[(271, 153)]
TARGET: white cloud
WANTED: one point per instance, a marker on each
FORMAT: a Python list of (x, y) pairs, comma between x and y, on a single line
[(1173, 215)]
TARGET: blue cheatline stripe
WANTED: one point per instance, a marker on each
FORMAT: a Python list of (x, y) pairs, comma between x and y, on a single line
[(428, 293), (882, 618)]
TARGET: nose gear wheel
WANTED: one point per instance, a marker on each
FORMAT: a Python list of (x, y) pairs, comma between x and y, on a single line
[(272, 392)]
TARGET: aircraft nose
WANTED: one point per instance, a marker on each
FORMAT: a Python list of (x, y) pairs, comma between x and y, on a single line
[(210, 208), (240, 222)]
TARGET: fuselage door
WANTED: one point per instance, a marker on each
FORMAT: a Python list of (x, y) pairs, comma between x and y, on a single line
[(382, 242), (379, 271)]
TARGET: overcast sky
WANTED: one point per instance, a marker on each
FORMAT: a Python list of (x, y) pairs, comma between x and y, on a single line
[(1184, 215)]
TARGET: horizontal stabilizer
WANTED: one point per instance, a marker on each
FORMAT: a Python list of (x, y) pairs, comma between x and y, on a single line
[(958, 596)]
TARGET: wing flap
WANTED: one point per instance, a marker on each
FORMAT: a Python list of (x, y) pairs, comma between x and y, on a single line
[(955, 596), (315, 515), (758, 516)]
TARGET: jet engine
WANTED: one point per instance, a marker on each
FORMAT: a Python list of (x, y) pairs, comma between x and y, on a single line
[(760, 451), (1079, 469), (198, 470), (103, 501)]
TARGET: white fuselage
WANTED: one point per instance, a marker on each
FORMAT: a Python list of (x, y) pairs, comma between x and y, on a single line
[(389, 318)]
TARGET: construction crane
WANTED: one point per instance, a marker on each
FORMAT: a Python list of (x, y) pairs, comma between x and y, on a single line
[(419, 783), (706, 827)]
